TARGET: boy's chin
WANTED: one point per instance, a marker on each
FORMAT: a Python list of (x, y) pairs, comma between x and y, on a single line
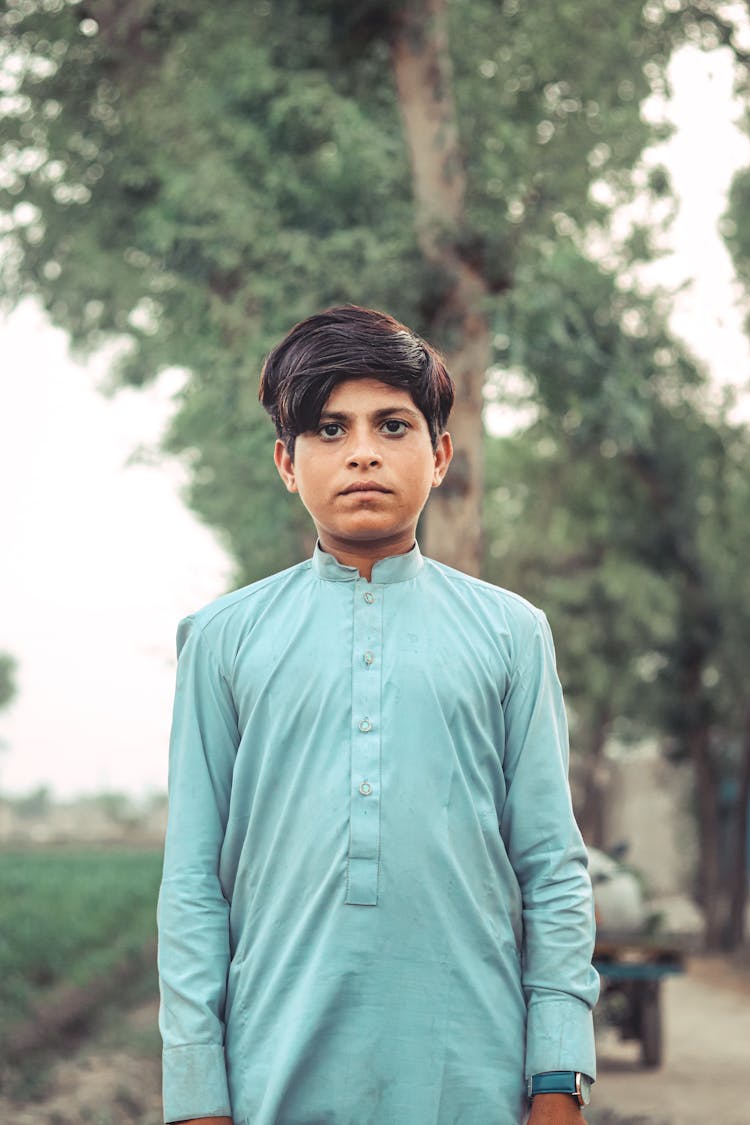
[(366, 531)]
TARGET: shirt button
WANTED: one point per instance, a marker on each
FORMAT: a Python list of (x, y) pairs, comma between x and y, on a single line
[(369, 598), (365, 725), (365, 789), (368, 658)]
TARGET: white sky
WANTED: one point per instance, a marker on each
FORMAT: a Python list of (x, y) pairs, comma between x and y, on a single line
[(99, 560), (702, 156)]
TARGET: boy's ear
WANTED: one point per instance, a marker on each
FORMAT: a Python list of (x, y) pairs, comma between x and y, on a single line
[(443, 458), (285, 465)]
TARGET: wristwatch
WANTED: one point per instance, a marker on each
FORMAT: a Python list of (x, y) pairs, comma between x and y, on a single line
[(562, 1082)]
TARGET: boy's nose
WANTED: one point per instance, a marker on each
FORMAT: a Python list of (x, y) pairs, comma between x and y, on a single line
[(362, 455), (362, 450)]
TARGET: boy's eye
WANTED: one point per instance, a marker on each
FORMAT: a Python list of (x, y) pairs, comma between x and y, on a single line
[(330, 430), (394, 426)]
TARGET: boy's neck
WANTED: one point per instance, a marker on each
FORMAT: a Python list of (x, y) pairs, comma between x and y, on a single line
[(363, 556)]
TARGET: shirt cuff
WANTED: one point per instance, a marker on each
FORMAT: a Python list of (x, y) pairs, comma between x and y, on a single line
[(560, 1036), (194, 1082)]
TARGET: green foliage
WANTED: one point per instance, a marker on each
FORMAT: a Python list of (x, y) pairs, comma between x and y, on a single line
[(736, 225), (554, 535), (639, 561), (549, 98), (196, 179), (621, 509), (69, 916), (730, 29), (204, 229), (7, 679), (575, 537)]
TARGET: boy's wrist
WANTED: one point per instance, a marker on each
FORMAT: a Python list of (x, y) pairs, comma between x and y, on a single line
[(204, 1121), (555, 1109)]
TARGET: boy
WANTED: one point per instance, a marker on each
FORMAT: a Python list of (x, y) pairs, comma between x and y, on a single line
[(375, 908)]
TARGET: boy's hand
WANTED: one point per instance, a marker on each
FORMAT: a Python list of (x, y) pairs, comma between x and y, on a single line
[(205, 1121), (556, 1109)]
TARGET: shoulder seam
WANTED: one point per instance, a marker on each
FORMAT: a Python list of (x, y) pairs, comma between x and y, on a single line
[(482, 583), (241, 595), (203, 639)]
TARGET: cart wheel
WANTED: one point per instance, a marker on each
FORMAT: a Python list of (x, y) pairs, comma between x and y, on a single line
[(650, 1022)]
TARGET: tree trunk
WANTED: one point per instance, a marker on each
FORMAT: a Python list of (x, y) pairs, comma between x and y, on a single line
[(422, 71), (595, 784), (735, 934), (707, 795), (454, 515)]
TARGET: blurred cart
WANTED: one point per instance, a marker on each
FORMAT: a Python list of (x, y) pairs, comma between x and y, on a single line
[(632, 968)]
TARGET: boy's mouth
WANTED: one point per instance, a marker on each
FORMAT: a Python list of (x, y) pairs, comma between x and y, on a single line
[(364, 486)]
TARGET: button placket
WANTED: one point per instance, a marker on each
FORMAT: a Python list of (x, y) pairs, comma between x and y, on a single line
[(364, 782)]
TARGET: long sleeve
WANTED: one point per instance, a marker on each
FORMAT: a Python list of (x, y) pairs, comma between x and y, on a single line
[(549, 858), (193, 913)]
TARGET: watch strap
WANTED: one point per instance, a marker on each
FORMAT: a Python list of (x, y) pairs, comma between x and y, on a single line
[(558, 1082)]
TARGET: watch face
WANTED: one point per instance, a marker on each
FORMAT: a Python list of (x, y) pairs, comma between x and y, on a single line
[(583, 1083)]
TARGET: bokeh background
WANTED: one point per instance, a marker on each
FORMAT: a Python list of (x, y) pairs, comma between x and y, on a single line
[(557, 195)]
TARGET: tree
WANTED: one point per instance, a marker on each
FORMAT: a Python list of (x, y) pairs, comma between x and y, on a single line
[(275, 177), (550, 527), (7, 679), (565, 521), (627, 508), (729, 26), (724, 543)]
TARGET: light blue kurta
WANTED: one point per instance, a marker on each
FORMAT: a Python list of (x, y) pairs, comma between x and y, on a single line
[(375, 907)]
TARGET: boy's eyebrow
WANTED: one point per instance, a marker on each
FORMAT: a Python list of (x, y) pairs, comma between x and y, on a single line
[(383, 412)]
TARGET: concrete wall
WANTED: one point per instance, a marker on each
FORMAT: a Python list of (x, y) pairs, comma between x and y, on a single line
[(648, 806)]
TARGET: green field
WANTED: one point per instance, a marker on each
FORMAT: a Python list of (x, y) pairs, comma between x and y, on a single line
[(68, 917)]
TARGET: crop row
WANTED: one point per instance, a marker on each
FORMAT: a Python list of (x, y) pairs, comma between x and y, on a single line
[(69, 917)]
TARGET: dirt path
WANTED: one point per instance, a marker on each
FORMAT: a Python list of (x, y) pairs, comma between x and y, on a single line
[(704, 1080), (115, 1079)]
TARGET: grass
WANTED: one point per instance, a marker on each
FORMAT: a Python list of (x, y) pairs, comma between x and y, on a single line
[(69, 916)]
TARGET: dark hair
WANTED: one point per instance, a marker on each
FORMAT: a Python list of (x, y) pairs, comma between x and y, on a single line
[(350, 342)]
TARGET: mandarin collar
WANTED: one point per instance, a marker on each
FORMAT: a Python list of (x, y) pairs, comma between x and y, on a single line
[(396, 568)]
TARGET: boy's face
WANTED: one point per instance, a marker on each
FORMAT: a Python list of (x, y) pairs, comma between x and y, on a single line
[(365, 473)]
